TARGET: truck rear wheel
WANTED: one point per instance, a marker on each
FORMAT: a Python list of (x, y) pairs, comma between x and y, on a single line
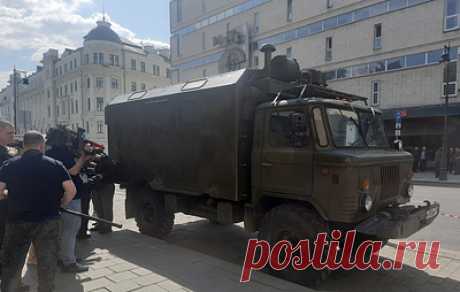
[(153, 218), (293, 223)]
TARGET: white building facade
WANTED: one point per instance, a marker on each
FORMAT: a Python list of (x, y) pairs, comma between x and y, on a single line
[(387, 50), (74, 88)]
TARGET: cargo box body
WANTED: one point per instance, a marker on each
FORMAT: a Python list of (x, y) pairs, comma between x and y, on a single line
[(192, 138)]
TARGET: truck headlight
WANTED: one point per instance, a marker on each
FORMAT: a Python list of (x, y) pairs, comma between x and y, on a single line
[(366, 202)]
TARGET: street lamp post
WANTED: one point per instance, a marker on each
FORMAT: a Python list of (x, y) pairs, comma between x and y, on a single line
[(443, 169), (15, 100)]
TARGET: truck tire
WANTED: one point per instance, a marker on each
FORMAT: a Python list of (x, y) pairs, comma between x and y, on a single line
[(153, 218), (293, 223)]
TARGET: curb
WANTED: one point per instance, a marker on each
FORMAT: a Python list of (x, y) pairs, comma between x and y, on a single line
[(436, 183)]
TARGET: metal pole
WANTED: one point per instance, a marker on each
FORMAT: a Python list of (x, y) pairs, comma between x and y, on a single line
[(443, 169), (15, 101)]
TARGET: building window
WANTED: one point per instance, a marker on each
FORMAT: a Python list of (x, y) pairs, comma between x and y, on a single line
[(72, 108), (99, 83), (75, 63), (156, 70), (100, 104), (143, 87), (76, 86), (415, 59), (289, 52), (95, 58), (168, 73), (71, 88), (76, 106), (290, 12), (87, 127), (377, 36), (114, 60), (396, 63), (329, 4), (63, 108), (49, 111), (375, 92), (143, 67), (179, 11), (178, 48), (256, 22), (65, 68), (450, 77), (452, 12), (133, 86), (87, 59), (57, 111), (203, 6), (203, 40), (328, 49), (133, 64), (114, 83), (89, 104), (66, 90), (88, 82), (100, 127), (101, 58), (71, 66)]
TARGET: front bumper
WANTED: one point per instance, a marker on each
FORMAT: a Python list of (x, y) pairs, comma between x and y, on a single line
[(400, 222)]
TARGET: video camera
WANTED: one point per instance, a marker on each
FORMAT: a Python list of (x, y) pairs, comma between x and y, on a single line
[(60, 136), (101, 168)]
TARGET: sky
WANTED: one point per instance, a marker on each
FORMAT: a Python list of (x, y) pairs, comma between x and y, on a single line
[(31, 27)]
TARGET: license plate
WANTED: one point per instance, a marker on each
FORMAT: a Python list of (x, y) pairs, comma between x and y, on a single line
[(432, 212)]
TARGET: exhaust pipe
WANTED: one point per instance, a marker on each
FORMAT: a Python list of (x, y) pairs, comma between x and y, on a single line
[(268, 51)]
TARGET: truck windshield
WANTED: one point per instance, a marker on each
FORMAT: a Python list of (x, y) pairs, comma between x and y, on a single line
[(356, 128)]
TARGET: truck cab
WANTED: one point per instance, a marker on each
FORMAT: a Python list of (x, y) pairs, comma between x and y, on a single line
[(331, 153)]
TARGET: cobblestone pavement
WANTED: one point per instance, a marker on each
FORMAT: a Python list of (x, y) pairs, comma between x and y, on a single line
[(199, 256)]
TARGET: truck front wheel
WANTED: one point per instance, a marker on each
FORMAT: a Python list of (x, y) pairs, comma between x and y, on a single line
[(153, 218), (293, 223)]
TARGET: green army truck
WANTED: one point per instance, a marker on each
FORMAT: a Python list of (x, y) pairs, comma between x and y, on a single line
[(273, 148)]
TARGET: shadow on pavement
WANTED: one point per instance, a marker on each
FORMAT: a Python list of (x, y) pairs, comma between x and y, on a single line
[(196, 256)]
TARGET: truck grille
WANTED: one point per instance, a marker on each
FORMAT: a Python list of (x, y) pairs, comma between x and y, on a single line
[(390, 181)]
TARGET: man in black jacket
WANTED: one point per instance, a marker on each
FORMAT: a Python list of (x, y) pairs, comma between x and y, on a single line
[(37, 187)]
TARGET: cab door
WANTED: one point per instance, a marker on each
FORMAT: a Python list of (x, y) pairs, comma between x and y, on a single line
[(287, 153)]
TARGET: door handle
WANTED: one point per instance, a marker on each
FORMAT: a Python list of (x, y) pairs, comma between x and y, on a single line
[(266, 164)]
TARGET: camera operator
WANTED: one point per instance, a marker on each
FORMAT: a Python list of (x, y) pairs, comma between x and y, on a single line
[(61, 150)]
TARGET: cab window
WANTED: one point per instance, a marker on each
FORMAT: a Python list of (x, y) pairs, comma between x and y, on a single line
[(319, 126), (288, 129)]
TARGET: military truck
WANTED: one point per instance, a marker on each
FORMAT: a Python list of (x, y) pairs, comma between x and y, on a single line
[(274, 148)]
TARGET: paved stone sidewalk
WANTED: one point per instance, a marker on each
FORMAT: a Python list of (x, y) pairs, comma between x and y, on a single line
[(202, 257), (128, 261)]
